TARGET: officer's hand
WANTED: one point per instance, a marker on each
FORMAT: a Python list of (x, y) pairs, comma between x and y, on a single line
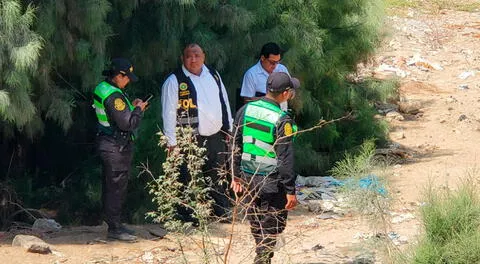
[(291, 201), (170, 150), (140, 103), (236, 185)]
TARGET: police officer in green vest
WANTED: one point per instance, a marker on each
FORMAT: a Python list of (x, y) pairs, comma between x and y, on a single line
[(118, 118), (263, 166)]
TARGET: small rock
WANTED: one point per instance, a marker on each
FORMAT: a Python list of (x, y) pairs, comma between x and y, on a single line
[(325, 216), (147, 257), (402, 218), (317, 247), (327, 206), (363, 260), (462, 117), (314, 206), (409, 107), (32, 244), (397, 135), (451, 100), (157, 231), (395, 115)]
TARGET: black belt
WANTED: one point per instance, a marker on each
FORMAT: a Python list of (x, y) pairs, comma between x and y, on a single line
[(219, 134)]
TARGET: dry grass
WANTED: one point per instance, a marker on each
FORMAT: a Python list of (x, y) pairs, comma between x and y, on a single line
[(434, 6)]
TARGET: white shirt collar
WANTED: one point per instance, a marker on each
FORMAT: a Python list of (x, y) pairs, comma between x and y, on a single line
[(188, 74), (260, 69)]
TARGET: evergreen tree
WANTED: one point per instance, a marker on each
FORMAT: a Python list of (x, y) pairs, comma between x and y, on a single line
[(20, 48), (76, 32)]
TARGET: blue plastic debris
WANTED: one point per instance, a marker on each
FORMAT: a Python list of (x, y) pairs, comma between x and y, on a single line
[(372, 183)]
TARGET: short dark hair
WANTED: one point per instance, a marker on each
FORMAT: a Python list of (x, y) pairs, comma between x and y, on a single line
[(191, 45), (270, 48)]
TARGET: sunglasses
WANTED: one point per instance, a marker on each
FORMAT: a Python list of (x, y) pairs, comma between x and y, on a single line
[(273, 62)]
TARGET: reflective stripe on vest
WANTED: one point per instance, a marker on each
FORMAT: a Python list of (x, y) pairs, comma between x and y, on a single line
[(102, 92), (259, 126)]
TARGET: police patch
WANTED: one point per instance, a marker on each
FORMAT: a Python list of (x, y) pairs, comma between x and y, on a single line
[(287, 129), (119, 104), (183, 86), (184, 93)]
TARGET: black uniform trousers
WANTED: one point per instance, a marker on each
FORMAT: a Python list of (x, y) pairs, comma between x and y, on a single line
[(116, 169), (216, 151), (266, 213)]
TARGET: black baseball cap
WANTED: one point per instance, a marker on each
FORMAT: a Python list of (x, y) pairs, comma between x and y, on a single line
[(123, 66), (281, 81)]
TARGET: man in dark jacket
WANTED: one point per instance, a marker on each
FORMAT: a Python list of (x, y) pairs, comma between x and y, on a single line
[(263, 162), (117, 120)]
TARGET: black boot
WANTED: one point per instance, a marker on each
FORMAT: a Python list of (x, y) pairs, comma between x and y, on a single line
[(264, 249), (120, 232), (264, 258)]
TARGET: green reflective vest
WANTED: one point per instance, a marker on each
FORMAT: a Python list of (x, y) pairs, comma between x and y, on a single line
[(102, 92), (259, 128)]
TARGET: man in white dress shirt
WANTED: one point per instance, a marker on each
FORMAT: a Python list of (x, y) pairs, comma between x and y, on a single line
[(254, 83), (194, 95)]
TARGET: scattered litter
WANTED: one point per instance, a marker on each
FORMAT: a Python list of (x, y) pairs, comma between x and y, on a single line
[(147, 257), (387, 68), (423, 64), (372, 183), (466, 74), (400, 218), (316, 181), (325, 216), (97, 241), (463, 87), (396, 238), (317, 247), (364, 236), (46, 225)]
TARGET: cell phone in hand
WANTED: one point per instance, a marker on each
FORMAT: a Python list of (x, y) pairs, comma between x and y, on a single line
[(148, 98)]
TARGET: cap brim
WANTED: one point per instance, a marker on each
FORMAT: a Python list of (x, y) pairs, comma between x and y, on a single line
[(295, 82), (132, 77)]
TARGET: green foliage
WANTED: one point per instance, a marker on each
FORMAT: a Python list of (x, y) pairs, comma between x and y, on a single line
[(167, 191), (355, 166), (365, 190), (19, 54), (451, 223), (4, 102)]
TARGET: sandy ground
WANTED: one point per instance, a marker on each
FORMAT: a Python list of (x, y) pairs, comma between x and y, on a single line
[(429, 52)]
